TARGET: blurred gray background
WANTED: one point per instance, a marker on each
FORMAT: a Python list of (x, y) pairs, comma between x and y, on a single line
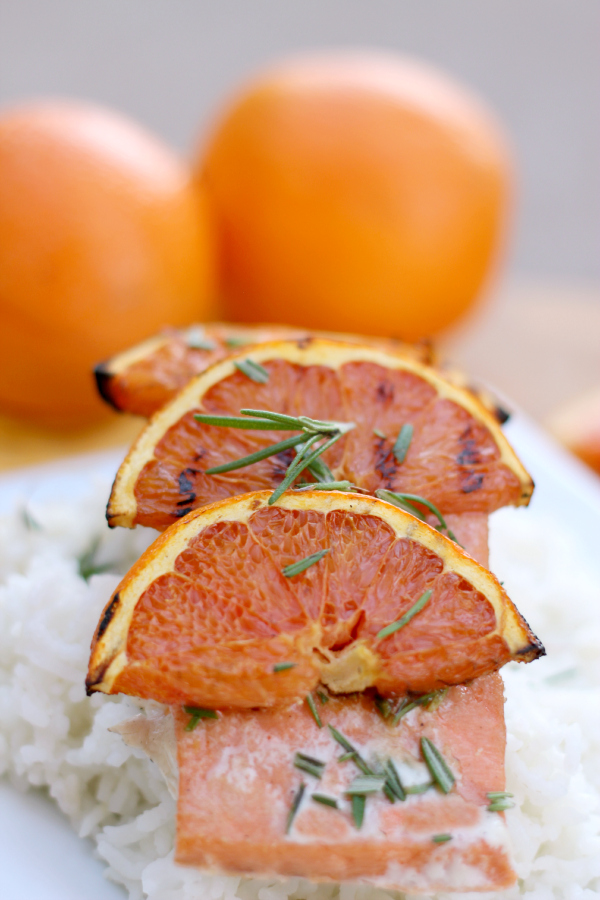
[(169, 63)]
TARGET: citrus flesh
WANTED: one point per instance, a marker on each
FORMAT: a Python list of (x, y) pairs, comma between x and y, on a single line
[(207, 616), (146, 377), (458, 457), (103, 240)]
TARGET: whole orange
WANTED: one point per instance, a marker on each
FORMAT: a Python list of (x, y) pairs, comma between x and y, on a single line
[(102, 242), (355, 192)]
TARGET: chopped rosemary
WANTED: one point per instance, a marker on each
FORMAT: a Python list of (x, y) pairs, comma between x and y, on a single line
[(346, 756), (303, 564), (236, 341), (415, 608), (383, 706), (322, 696), (379, 433), (294, 807), (315, 713), (252, 370), (309, 764), (499, 801), (407, 503), (437, 765), (365, 785), (418, 788), (87, 564), (196, 713), (29, 522), (402, 443), (441, 838), (255, 457), (342, 741), (325, 800), (358, 808), (196, 339), (392, 780), (406, 705), (283, 666)]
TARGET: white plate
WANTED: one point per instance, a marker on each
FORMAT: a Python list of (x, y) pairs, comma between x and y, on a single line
[(40, 856)]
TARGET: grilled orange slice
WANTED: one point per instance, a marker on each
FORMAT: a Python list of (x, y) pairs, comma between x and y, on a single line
[(211, 616), (145, 377), (458, 457)]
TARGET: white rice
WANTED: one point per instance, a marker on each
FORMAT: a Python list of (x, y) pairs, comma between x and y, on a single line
[(52, 736)]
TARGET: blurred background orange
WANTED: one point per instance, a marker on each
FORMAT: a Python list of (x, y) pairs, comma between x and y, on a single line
[(175, 69)]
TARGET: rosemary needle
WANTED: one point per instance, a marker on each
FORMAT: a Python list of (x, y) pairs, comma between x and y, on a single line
[(252, 370), (437, 765), (407, 502), (315, 712), (303, 564), (283, 666), (196, 713), (294, 807), (252, 458), (441, 838), (325, 800), (400, 448), (415, 608), (322, 696), (358, 809), (309, 764), (365, 785)]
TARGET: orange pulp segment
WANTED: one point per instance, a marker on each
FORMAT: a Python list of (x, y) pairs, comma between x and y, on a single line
[(144, 378), (458, 457), (208, 617)]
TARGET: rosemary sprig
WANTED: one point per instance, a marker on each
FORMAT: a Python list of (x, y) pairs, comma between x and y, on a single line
[(437, 765), (400, 448), (358, 809), (408, 615), (255, 457), (312, 432), (325, 800), (441, 838), (252, 370), (407, 503), (294, 807), (315, 712), (196, 713), (302, 462), (283, 666), (303, 564), (309, 764)]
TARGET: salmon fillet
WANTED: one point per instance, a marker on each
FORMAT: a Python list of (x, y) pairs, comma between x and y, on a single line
[(237, 783)]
